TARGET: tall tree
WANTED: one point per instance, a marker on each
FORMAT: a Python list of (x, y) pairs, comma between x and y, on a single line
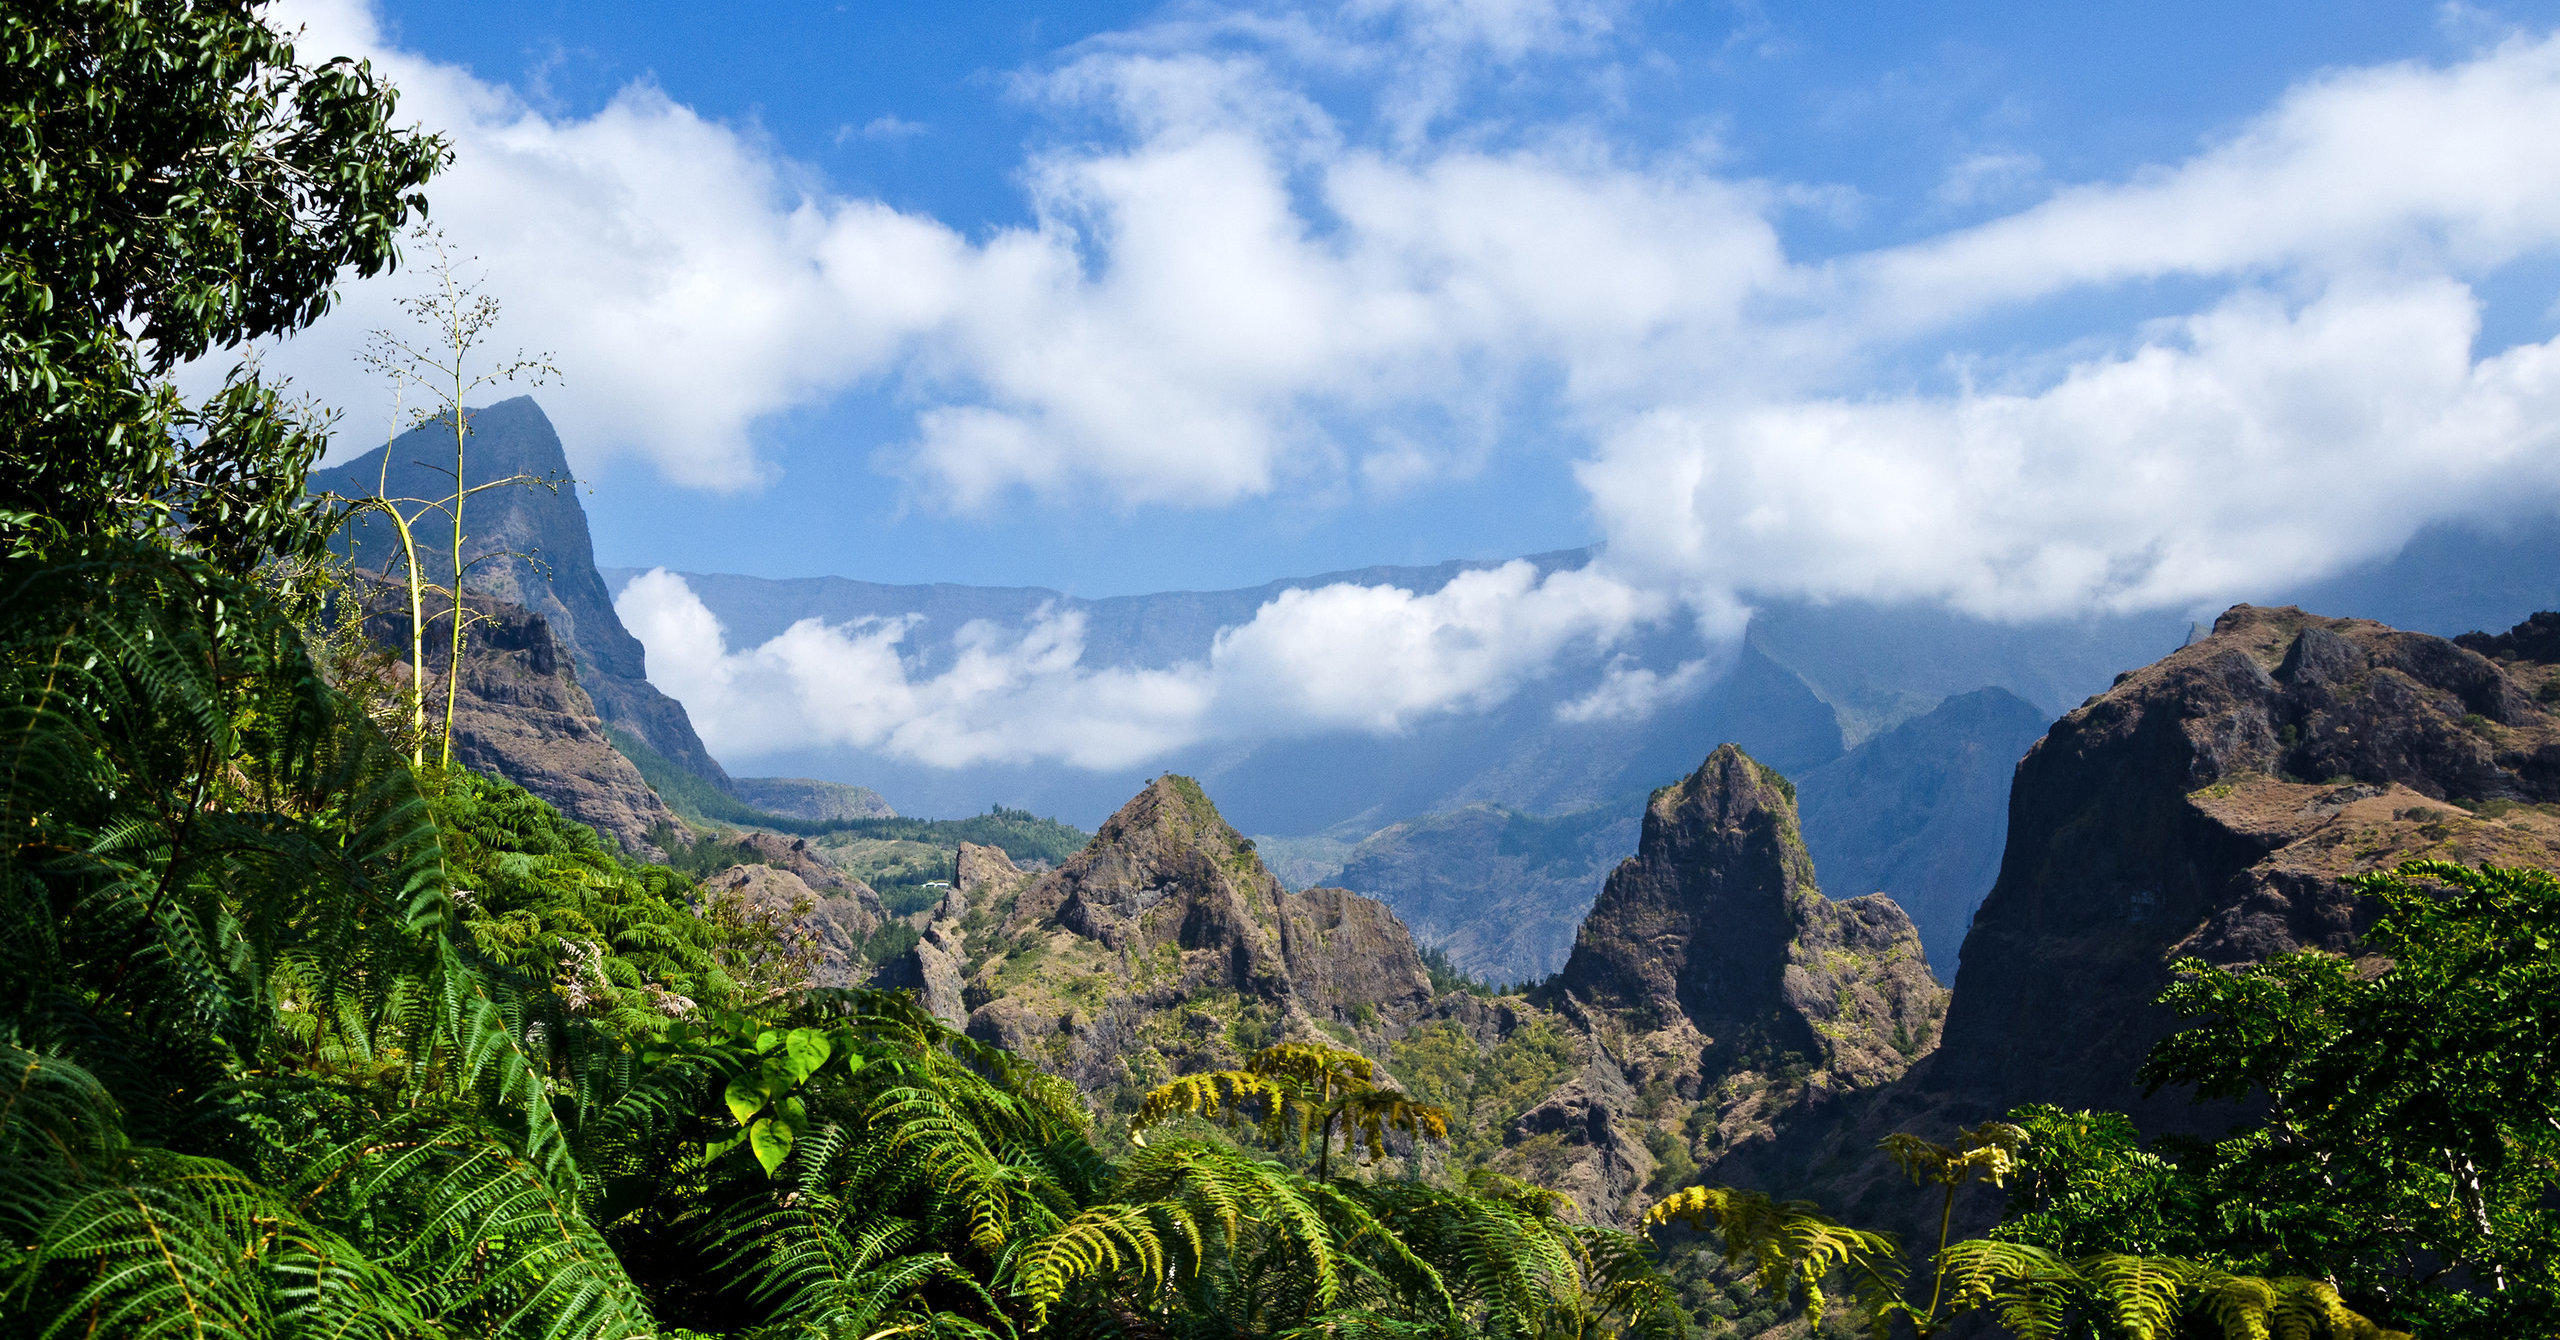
[(175, 182)]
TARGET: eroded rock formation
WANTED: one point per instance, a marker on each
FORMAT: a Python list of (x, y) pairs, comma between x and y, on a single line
[(1165, 947), (824, 912)]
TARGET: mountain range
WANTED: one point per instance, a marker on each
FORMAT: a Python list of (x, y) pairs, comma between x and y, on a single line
[(1490, 832)]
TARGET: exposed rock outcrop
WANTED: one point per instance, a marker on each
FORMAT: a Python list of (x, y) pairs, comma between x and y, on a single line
[(1730, 994), (1716, 923), (522, 714), (2210, 804), (1922, 811), (1165, 947), (811, 799)]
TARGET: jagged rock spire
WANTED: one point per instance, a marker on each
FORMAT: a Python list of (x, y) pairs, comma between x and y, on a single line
[(1716, 920)]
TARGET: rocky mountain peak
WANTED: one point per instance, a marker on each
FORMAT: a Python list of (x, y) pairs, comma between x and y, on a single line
[(1697, 921), (1716, 921), (1166, 946), (528, 545), (2213, 803), (1166, 873)]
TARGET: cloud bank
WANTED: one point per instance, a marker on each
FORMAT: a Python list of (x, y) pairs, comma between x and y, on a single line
[(1241, 292), (1340, 657)]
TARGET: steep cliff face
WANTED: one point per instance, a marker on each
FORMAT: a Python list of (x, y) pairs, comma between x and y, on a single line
[(1922, 810), (809, 798), (539, 555), (1716, 924), (523, 714), (1714, 993), (1732, 996), (2210, 804)]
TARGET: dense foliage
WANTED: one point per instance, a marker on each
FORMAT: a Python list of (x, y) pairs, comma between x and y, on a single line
[(2408, 1151), (173, 183), (300, 1036), (298, 1039)]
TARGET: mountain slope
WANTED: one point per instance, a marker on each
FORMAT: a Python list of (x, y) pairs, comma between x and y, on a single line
[(1920, 811), (537, 549), (523, 715)]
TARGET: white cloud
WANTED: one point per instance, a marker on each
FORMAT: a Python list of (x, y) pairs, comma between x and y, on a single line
[(2248, 446), (888, 129), (1242, 296), (1631, 692), (2391, 167), (1342, 657)]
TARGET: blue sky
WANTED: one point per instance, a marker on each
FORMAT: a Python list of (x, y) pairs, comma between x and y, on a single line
[(2022, 310), (923, 107)]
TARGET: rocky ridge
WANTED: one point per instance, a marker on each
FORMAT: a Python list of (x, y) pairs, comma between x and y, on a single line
[(811, 799), (1713, 991), (1733, 997), (824, 913), (1165, 947), (2210, 804)]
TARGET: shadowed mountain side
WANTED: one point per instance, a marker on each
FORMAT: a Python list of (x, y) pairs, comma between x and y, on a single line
[(1733, 998), (2450, 578), (2211, 804), (1921, 811), (559, 581), (1500, 892)]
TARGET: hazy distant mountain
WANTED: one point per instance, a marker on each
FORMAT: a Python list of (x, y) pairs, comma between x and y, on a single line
[(1900, 724), (1920, 812)]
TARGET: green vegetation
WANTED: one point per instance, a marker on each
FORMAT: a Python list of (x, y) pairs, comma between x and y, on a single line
[(302, 1035), (2407, 1152), (175, 183), (1792, 1248), (1447, 976), (2405, 1166), (1483, 1087), (300, 1038), (692, 798)]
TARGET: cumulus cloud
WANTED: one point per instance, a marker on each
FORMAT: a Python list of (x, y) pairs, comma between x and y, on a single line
[(1340, 657), (1246, 291), (2254, 444)]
